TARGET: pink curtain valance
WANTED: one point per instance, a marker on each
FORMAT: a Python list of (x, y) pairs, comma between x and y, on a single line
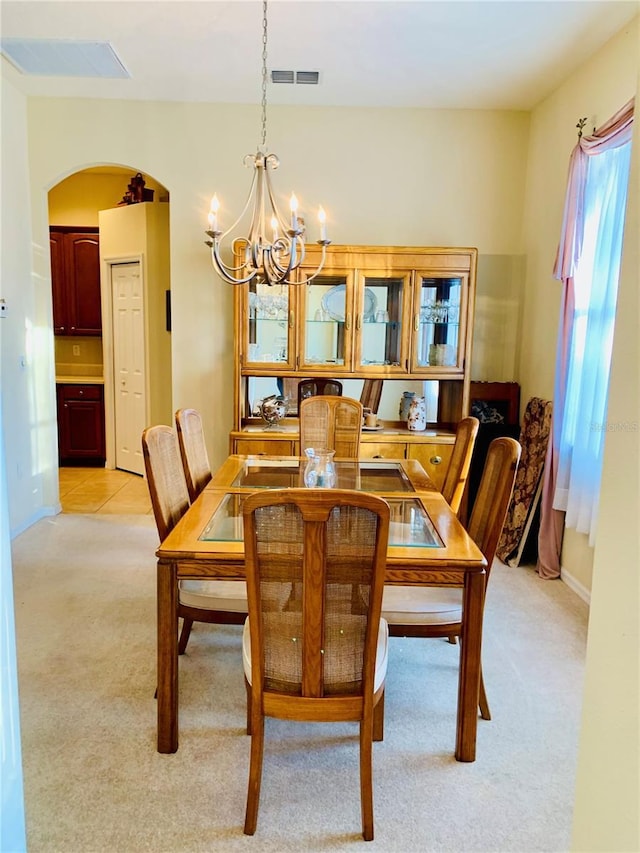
[(615, 132)]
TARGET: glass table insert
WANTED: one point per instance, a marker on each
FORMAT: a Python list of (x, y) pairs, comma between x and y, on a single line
[(410, 526), (363, 475)]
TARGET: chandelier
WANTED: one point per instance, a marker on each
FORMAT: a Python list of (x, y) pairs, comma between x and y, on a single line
[(274, 245)]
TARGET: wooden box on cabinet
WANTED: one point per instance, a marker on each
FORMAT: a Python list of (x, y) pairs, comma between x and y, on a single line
[(75, 279), (81, 424)]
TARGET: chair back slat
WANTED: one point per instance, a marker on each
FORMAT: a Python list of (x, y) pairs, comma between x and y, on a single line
[(458, 471), (165, 477), (494, 494), (193, 451), (333, 423)]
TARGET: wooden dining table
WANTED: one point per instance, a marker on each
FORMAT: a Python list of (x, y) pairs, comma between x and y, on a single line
[(427, 547)]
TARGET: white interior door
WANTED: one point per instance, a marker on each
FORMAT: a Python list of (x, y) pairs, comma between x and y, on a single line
[(129, 369)]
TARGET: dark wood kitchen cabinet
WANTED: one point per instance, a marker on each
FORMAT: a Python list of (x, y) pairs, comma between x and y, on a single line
[(75, 278), (81, 424)]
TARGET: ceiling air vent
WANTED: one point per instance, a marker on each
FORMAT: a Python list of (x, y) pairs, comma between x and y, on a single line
[(282, 77), (303, 77), (63, 58), (309, 77)]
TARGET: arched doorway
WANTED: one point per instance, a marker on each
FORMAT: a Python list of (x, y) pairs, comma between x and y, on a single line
[(89, 369)]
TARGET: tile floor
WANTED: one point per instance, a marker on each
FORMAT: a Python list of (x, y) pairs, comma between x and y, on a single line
[(103, 490)]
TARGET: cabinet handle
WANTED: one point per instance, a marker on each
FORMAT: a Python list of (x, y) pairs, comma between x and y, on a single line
[(347, 322), (73, 328), (292, 319), (359, 322), (435, 460), (416, 322)]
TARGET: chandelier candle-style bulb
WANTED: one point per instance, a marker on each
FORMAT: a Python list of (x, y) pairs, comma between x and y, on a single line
[(322, 219), (267, 246), (293, 206), (213, 213)]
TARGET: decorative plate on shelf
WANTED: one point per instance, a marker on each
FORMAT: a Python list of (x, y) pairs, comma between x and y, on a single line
[(333, 303)]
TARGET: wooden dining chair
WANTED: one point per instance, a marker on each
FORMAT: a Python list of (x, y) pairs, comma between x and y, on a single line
[(333, 423), (458, 470), (437, 611), (214, 601), (193, 451), (317, 387), (314, 645)]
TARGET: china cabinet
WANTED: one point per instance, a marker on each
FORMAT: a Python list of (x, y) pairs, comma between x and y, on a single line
[(373, 312)]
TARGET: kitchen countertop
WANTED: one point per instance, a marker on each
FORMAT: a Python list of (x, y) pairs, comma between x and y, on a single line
[(68, 379)]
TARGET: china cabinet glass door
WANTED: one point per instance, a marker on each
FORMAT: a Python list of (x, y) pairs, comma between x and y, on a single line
[(439, 330), (382, 309), (270, 324), (326, 306)]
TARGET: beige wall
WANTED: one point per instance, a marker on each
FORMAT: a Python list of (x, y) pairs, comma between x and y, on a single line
[(398, 177), (29, 427), (599, 88), (608, 785)]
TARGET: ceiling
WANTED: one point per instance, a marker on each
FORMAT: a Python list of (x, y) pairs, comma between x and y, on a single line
[(486, 54)]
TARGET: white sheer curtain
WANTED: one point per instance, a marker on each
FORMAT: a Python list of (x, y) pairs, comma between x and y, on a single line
[(589, 357)]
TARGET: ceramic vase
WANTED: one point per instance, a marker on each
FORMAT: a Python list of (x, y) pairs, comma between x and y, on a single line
[(417, 418), (405, 402)]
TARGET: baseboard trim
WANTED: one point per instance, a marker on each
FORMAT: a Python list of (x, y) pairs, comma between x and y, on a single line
[(575, 585), (42, 512)]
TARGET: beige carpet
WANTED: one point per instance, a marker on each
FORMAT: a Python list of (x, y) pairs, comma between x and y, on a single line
[(85, 615)]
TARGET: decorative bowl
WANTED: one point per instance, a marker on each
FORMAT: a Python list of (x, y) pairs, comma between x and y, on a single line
[(273, 409)]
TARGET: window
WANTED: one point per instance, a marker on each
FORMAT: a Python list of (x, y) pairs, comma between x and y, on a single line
[(589, 352)]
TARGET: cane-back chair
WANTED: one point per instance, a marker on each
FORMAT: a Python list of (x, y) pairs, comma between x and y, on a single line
[(437, 611), (458, 470), (333, 423), (314, 645), (193, 451), (198, 601)]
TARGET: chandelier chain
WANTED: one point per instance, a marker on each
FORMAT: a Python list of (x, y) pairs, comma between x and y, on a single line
[(273, 248), (264, 74)]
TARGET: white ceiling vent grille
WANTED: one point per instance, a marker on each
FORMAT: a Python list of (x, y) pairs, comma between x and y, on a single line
[(301, 77), (63, 58)]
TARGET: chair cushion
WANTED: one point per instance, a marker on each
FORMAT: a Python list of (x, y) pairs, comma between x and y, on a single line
[(422, 605), (382, 653), (214, 595)]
